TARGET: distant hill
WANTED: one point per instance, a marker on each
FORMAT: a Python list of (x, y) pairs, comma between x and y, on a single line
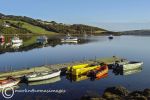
[(136, 32), (10, 24)]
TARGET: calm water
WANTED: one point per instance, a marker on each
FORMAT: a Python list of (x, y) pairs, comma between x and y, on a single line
[(130, 47)]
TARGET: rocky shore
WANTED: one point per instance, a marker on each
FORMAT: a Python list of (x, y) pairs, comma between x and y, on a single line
[(120, 93)]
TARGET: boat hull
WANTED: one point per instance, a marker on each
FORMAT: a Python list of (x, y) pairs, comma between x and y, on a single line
[(101, 73), (131, 66), (70, 69), (13, 83), (44, 77), (16, 41), (82, 71)]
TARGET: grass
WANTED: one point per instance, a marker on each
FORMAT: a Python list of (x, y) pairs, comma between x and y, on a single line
[(33, 29), (30, 41)]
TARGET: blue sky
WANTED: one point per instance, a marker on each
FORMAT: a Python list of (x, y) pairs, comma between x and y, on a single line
[(111, 14)]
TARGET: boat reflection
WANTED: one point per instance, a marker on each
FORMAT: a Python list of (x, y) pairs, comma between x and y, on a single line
[(16, 46), (78, 78), (48, 81), (104, 76), (127, 72), (10, 88), (29, 43)]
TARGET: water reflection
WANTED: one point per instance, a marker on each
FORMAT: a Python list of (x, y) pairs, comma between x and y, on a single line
[(127, 72), (32, 42), (77, 78)]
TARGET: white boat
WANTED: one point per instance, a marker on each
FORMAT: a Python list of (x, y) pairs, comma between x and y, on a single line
[(127, 72), (16, 40), (48, 81), (130, 65), (8, 82), (42, 75), (69, 38)]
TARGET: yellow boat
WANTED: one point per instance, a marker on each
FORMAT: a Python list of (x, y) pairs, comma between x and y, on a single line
[(84, 70), (71, 68)]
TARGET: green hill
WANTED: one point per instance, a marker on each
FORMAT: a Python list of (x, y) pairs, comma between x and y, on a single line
[(27, 25)]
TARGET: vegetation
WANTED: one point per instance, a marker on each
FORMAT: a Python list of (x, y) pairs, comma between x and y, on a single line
[(27, 25)]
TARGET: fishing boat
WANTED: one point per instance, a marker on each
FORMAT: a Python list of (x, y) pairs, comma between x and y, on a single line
[(37, 76), (110, 37), (130, 65), (69, 38), (2, 38), (9, 82), (42, 39), (98, 72), (16, 40)]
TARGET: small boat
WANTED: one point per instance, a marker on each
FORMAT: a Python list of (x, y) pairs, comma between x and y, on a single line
[(98, 72), (48, 81), (2, 38), (9, 82), (42, 39), (16, 40), (37, 76), (110, 37), (81, 71), (130, 65), (127, 72), (69, 38), (71, 68)]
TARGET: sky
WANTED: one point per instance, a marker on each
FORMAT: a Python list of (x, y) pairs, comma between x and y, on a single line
[(116, 15)]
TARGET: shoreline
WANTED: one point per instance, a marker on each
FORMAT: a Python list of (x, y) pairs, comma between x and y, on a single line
[(119, 93)]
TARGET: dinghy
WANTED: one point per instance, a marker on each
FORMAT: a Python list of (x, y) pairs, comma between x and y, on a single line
[(9, 82), (42, 75)]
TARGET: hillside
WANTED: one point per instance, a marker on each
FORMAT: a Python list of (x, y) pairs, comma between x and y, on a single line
[(10, 24), (136, 32)]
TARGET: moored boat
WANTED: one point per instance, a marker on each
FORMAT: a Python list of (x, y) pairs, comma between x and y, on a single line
[(8, 82), (48, 81), (110, 37), (2, 38), (42, 39), (69, 38), (98, 72), (81, 71), (130, 65), (42, 75), (71, 68), (16, 40)]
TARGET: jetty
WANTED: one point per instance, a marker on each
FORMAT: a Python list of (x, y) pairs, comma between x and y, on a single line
[(22, 72)]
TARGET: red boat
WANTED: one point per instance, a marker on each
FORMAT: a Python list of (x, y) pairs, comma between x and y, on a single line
[(9, 82), (2, 38), (98, 72)]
